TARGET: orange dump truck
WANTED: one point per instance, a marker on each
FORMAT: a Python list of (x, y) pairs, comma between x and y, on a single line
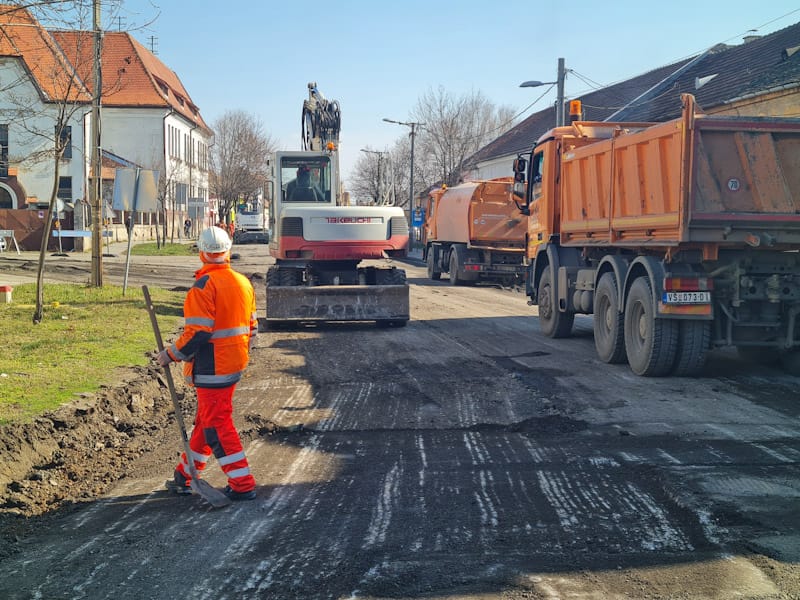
[(475, 231), (678, 237)]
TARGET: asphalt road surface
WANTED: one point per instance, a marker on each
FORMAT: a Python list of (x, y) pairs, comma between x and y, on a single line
[(463, 456)]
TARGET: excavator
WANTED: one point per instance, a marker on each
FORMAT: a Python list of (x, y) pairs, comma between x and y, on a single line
[(333, 261)]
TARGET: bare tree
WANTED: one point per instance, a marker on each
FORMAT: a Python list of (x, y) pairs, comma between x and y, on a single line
[(43, 121), (454, 129), (373, 181), (239, 158)]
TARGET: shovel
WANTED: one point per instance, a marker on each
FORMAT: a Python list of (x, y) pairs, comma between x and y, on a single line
[(200, 486)]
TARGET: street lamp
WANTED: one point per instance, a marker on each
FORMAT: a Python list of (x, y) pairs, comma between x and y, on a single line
[(379, 199), (413, 126), (562, 73)]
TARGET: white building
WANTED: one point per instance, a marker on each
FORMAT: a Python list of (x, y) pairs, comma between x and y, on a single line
[(36, 79), (148, 119)]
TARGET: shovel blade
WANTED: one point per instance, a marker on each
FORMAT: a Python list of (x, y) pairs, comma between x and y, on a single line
[(209, 493)]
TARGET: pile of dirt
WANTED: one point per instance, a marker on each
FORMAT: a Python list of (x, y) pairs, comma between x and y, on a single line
[(76, 452)]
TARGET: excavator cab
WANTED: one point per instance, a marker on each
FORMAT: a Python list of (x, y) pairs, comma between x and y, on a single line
[(306, 179)]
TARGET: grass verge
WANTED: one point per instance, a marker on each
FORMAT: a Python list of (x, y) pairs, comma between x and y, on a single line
[(152, 249), (85, 335)]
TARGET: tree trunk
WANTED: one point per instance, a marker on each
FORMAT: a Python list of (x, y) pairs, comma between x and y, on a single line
[(38, 313)]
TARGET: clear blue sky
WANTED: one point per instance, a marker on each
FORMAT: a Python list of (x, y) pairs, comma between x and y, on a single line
[(377, 58)]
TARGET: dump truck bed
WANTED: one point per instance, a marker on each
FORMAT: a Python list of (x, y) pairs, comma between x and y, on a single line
[(694, 180)]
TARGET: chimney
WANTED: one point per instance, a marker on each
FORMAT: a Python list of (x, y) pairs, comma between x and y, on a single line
[(749, 38)]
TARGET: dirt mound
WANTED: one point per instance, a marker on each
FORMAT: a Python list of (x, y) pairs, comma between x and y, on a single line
[(74, 453)]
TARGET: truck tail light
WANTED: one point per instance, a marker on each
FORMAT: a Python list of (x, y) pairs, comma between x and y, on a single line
[(688, 284)]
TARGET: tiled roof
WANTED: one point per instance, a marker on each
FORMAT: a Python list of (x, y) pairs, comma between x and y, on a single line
[(62, 61), (132, 75), (22, 37), (597, 106), (725, 73)]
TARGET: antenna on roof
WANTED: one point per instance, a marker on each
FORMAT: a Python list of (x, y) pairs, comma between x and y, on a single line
[(153, 44), (119, 23)]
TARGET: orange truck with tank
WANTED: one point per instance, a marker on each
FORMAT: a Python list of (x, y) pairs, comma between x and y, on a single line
[(679, 237), (475, 232)]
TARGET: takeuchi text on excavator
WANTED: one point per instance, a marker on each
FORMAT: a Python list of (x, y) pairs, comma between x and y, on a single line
[(332, 260)]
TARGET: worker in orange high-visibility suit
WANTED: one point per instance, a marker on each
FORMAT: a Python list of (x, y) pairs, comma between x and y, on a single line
[(220, 328)]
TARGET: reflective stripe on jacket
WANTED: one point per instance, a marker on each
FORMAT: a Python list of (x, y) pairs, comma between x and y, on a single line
[(219, 320)]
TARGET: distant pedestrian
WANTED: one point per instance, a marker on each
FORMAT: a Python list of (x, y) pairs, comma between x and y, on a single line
[(187, 227), (220, 327)]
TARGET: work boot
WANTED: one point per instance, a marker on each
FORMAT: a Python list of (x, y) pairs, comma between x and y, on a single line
[(230, 493), (178, 485)]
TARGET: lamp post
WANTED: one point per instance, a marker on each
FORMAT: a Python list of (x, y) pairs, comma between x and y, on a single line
[(413, 126), (562, 74), (379, 199)]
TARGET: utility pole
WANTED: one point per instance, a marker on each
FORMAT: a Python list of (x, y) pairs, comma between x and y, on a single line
[(413, 126), (559, 82), (562, 73), (95, 173)]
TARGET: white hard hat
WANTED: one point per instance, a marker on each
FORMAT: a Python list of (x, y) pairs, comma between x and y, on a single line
[(214, 240)]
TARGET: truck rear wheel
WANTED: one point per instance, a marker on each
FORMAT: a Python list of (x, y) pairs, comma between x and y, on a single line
[(609, 333), (454, 278), (430, 261), (651, 344), (694, 340), (553, 323)]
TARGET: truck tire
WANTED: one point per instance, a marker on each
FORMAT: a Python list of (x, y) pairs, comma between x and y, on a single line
[(694, 340), (454, 278), (609, 333), (651, 344), (430, 261), (553, 323)]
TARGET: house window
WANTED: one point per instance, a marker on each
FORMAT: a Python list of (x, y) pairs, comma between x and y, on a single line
[(65, 188), (3, 150), (66, 140), (181, 194)]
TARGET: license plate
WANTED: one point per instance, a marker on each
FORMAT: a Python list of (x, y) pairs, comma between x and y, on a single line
[(686, 297)]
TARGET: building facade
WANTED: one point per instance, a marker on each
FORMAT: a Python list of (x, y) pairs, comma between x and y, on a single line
[(148, 119)]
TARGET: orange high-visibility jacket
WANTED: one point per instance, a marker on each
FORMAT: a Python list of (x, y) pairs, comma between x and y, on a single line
[(220, 318)]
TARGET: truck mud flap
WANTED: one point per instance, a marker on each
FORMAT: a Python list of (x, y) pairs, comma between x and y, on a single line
[(338, 303)]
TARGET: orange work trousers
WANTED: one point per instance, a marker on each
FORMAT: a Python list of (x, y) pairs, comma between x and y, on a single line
[(215, 433)]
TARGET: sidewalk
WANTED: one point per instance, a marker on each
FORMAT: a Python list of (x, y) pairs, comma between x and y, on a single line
[(115, 252)]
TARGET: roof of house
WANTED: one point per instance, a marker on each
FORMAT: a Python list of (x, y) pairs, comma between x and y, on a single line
[(132, 75), (61, 62), (723, 74), (597, 106), (718, 76), (22, 37)]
